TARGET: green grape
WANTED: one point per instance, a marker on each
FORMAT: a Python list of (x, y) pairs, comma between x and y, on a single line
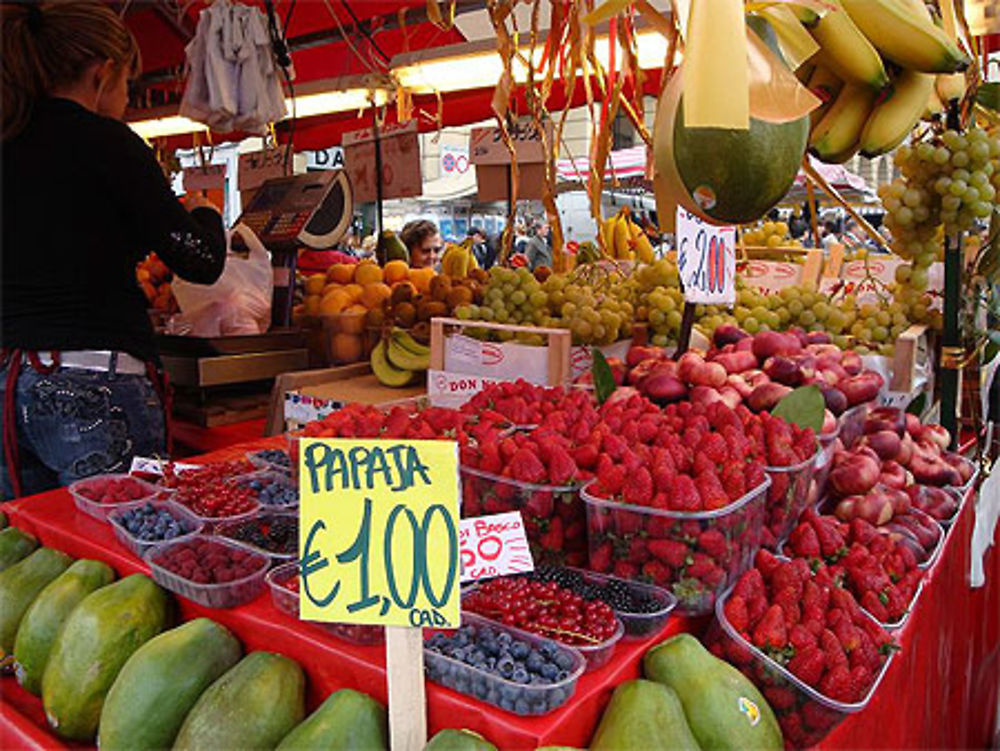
[(751, 325)]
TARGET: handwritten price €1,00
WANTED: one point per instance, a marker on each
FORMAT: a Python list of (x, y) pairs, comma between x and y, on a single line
[(380, 542)]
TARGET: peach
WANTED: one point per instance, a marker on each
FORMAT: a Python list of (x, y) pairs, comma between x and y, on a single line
[(817, 337), (731, 397), (736, 362), (905, 450), (728, 334), (636, 355), (964, 467), (769, 343), (834, 398), (893, 475), (766, 396), (857, 473), (934, 472), (828, 351), (708, 374), (829, 423), (936, 434), (689, 363), (745, 345), (663, 387), (913, 425), (861, 388), (737, 382), (783, 370), (704, 395), (851, 362), (885, 443), (886, 419)]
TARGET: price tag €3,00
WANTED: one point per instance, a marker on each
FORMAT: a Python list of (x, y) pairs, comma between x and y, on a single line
[(378, 532)]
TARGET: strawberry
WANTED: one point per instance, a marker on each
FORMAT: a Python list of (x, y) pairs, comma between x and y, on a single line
[(637, 551), (562, 468), (713, 446), (614, 446), (702, 464), (788, 600), (627, 522), (866, 652), (713, 542), (585, 456), (819, 719), (704, 569), (600, 557), (625, 570), (779, 698), (786, 575), (832, 650), (861, 680), (808, 664), (847, 635), (804, 542), (713, 495), (750, 585), (525, 466), (799, 637), (770, 632), (611, 477), (735, 610), (539, 504), (553, 537), (791, 729), (657, 572), (671, 552), (870, 601), (831, 542), (767, 562), (837, 685), (638, 487), (753, 475), (685, 496)]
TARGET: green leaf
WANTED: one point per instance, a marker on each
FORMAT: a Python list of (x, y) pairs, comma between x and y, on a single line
[(604, 380), (803, 407), (988, 96)]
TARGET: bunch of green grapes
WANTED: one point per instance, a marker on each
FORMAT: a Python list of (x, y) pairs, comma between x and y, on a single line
[(512, 296), (596, 309), (659, 300)]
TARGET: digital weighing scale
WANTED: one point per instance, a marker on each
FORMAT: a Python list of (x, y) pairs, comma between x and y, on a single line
[(311, 210)]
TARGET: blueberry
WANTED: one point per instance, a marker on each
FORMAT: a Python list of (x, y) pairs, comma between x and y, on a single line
[(548, 649), (490, 647), (521, 706), (563, 660), (520, 675), (519, 650), (562, 675), (534, 662), (504, 639), (548, 671), (478, 657), (505, 666), (507, 704)]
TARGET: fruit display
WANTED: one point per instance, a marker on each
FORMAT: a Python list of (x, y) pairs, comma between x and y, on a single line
[(253, 705), (787, 628), (770, 235), (159, 685), (624, 240), (212, 571), (642, 608), (550, 610), (101, 494), (878, 567), (275, 533), (154, 279), (207, 492), (271, 488), (41, 622), (93, 645), (514, 670), (716, 698), (19, 586)]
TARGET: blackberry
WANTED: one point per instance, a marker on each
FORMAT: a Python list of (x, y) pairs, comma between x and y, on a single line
[(617, 594), (274, 534)]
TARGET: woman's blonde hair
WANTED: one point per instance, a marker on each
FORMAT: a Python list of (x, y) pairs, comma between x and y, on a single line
[(49, 45)]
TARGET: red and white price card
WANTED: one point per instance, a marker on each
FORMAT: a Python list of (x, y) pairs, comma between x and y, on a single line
[(493, 546)]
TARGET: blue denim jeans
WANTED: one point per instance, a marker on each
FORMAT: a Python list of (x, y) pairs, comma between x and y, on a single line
[(75, 423)]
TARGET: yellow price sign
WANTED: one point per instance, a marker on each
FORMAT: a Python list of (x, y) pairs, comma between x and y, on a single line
[(378, 532)]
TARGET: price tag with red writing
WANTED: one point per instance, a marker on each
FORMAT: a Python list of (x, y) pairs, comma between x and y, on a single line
[(706, 260), (493, 546)]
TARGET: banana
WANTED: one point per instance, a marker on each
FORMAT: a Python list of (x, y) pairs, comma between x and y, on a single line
[(608, 233), (950, 86), (847, 51), (934, 106), (907, 38), (644, 248), (402, 358), (457, 261), (407, 342), (385, 372), (621, 237), (894, 117), (825, 84), (835, 138)]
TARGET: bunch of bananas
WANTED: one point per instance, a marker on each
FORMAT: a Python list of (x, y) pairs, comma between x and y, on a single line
[(881, 66), (398, 358), (624, 240), (458, 259)]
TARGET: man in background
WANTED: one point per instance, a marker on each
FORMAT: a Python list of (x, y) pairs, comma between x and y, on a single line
[(539, 249), (482, 250)]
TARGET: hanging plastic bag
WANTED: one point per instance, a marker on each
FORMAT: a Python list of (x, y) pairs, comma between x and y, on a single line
[(238, 303)]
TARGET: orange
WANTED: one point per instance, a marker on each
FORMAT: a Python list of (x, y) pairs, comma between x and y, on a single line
[(396, 271), (315, 284), (334, 302), (367, 272), (330, 287), (345, 348), (342, 273), (311, 305), (375, 294), (354, 291), (352, 319), (421, 279)]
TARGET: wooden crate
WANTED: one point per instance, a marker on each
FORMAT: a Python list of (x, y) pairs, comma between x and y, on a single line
[(763, 271), (914, 357)]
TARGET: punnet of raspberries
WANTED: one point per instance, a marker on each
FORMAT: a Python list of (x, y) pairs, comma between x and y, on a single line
[(110, 489), (815, 630)]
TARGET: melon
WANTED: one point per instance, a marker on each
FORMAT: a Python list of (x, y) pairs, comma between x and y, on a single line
[(723, 176)]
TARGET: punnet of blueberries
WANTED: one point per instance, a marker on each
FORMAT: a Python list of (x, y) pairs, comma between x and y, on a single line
[(517, 675), (273, 490), (150, 524), (274, 457)]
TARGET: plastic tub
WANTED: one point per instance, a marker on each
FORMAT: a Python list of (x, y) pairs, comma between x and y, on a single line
[(955, 493), (271, 476), (228, 528), (787, 498), (637, 625), (541, 506), (100, 510), (823, 465), (817, 714), (596, 655), (345, 338), (692, 569), (520, 699), (966, 489), (139, 547), (211, 521), (287, 601), (852, 424), (270, 461), (221, 595)]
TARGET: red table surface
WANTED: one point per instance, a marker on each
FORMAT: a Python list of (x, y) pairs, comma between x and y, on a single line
[(940, 692)]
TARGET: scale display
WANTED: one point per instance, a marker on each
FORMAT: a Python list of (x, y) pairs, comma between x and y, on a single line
[(311, 210)]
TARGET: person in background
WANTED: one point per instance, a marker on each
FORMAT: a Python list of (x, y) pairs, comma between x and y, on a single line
[(79, 372), (482, 250), (423, 241), (829, 236), (539, 251)]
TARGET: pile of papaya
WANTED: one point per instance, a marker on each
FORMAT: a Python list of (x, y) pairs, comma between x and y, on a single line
[(110, 665)]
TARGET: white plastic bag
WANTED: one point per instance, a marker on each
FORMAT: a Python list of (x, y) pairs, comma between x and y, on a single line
[(238, 303)]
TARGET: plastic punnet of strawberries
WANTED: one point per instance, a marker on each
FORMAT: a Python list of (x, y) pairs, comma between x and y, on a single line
[(544, 608), (875, 565), (785, 445), (812, 628)]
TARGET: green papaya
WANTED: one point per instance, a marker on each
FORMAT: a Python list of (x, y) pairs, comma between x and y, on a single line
[(453, 739), (723, 708), (97, 639), (3, 520), (15, 544), (252, 706), (643, 715), (47, 614), (19, 586), (347, 721), (160, 684)]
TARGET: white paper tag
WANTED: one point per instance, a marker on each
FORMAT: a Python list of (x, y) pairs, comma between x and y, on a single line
[(493, 546), (146, 466), (706, 260), (300, 408)]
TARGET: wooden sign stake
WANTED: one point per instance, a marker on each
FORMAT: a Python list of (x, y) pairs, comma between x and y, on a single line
[(687, 323), (404, 667)]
